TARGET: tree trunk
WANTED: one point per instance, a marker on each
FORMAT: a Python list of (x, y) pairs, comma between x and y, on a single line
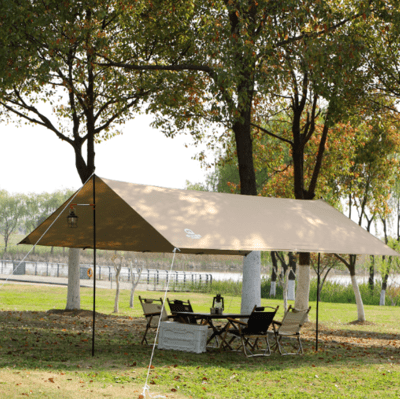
[(382, 299), (303, 282), (117, 273), (371, 273), (352, 269), (292, 278), (5, 243), (272, 291), (251, 288), (291, 290), (359, 301), (135, 282), (285, 289), (73, 294)]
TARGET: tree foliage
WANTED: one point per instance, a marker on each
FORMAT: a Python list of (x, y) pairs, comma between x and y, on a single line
[(50, 76), (12, 210)]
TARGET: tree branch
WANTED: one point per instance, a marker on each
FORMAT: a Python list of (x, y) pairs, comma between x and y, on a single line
[(343, 260), (271, 134)]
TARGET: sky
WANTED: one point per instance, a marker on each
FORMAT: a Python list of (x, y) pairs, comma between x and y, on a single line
[(34, 160)]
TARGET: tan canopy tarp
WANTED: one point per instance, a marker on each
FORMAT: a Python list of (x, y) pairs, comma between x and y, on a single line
[(136, 217)]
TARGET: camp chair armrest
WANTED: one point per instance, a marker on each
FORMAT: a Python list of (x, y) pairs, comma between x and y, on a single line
[(152, 314), (276, 322), (237, 321)]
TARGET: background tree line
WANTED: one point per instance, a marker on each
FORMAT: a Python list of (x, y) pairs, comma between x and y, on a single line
[(24, 212)]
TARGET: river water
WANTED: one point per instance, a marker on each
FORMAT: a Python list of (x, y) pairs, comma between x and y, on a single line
[(341, 279)]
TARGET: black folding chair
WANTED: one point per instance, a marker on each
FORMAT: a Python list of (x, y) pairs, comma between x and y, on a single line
[(253, 332), (177, 305)]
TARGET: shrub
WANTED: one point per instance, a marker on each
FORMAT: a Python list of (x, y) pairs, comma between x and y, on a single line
[(226, 287), (335, 292)]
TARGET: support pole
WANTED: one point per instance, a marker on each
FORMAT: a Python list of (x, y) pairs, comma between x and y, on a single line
[(94, 262), (318, 281)]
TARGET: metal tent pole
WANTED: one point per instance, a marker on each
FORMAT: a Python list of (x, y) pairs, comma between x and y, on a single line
[(318, 281), (94, 262)]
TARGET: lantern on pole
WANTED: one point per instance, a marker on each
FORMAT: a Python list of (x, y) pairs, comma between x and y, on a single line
[(72, 219)]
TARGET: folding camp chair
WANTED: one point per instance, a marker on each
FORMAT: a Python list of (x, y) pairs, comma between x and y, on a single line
[(252, 332), (180, 306), (152, 312), (290, 327)]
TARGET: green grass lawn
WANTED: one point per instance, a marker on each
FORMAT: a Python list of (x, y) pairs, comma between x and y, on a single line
[(47, 354)]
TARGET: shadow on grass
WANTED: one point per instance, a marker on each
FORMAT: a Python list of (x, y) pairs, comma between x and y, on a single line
[(44, 340)]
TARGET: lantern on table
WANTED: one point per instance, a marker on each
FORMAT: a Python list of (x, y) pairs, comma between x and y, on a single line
[(218, 304)]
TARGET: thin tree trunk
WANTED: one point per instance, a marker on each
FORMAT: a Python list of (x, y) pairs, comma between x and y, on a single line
[(382, 299), (352, 269), (272, 291), (303, 280), (5, 243), (251, 288), (359, 301), (117, 273), (285, 288), (292, 278), (73, 294), (134, 283), (371, 273)]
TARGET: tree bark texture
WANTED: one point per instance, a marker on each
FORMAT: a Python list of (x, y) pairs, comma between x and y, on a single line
[(359, 301), (303, 282), (292, 278), (116, 302), (73, 294), (351, 265), (285, 289), (251, 288), (244, 148), (272, 291), (382, 298), (371, 273), (135, 282), (291, 290), (303, 288)]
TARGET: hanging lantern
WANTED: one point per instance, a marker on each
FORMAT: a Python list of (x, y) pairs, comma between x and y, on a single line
[(72, 219)]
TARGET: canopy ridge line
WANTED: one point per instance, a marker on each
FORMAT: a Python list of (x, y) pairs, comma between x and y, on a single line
[(37, 242), (146, 387), (136, 217)]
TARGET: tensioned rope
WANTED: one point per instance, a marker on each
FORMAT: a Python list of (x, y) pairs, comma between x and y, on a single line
[(146, 388), (46, 231)]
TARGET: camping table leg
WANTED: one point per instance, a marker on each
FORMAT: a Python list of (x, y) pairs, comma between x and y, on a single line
[(224, 344), (217, 332)]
